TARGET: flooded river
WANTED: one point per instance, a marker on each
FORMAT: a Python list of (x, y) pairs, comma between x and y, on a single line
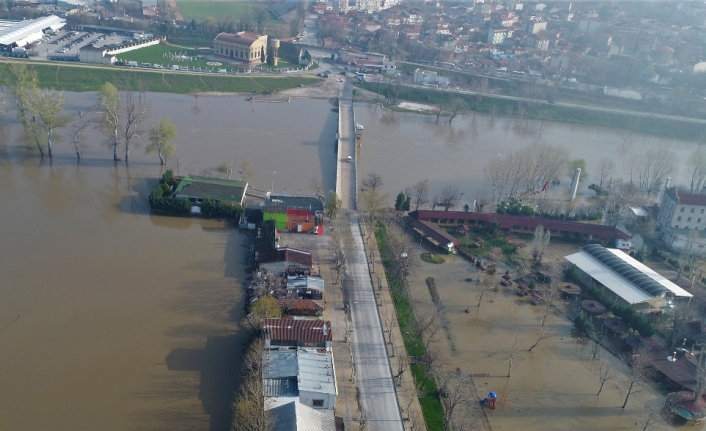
[(113, 319), (406, 147)]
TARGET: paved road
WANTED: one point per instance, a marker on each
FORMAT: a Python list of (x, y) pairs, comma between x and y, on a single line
[(347, 170), (309, 37), (372, 364)]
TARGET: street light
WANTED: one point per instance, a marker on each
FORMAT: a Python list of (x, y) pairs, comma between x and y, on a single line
[(272, 188)]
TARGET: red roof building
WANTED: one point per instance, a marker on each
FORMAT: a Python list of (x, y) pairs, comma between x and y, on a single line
[(297, 333), (285, 259)]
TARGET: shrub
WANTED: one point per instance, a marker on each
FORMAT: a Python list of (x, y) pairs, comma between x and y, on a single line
[(583, 324), (210, 208)]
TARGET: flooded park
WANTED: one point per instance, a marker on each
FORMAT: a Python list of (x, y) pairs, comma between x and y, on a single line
[(115, 319)]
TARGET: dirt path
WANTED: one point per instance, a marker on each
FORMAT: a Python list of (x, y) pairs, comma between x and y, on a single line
[(175, 8)]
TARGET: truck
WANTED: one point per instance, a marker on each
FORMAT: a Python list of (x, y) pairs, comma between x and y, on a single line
[(19, 50), (132, 63)]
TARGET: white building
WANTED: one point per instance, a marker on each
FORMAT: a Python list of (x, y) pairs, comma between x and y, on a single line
[(372, 6), (389, 67), (427, 77), (304, 375), (682, 218), (295, 416), (498, 35), (22, 33), (91, 54)]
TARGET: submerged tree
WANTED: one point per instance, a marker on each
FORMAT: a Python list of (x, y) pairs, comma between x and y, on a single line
[(108, 109), (78, 126), (136, 110), (161, 138), (48, 109), (421, 193)]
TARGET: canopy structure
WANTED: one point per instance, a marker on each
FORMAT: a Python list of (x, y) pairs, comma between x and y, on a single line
[(623, 275), (20, 33)]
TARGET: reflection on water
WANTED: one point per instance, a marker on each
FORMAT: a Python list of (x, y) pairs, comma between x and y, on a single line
[(406, 147), (128, 321)]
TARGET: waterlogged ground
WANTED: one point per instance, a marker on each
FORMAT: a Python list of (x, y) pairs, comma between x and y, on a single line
[(551, 388)]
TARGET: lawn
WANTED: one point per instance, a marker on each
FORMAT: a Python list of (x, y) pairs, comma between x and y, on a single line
[(82, 78), (163, 54), (197, 10)]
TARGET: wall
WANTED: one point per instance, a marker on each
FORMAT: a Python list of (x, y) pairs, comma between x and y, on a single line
[(307, 398), (134, 47)]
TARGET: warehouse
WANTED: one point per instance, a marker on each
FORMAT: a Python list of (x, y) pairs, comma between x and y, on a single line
[(22, 33)]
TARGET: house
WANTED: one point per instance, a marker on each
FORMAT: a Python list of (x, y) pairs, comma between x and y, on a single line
[(294, 213), (303, 375), (285, 259), (389, 67), (306, 287), (682, 218), (427, 77), (534, 27), (297, 333), (631, 282), (91, 54), (301, 307), (196, 189), (436, 235), (296, 416), (243, 46)]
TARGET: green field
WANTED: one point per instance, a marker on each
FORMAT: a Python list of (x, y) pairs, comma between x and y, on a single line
[(197, 10), (158, 54), (85, 78)]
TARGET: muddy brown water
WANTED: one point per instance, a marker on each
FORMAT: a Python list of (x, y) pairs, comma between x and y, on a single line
[(404, 147), (115, 319)]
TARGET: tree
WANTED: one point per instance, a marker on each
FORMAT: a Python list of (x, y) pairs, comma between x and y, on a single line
[(637, 373), (373, 202), (109, 114), (47, 108), (249, 413), (421, 193), (696, 170), (78, 126), (22, 82), (136, 110), (540, 242), (372, 181), (605, 372), (316, 186), (407, 203), (486, 281), (333, 205), (458, 107), (399, 202), (511, 354), (652, 167), (455, 390), (449, 197), (161, 138), (261, 14), (433, 359), (578, 164), (606, 167)]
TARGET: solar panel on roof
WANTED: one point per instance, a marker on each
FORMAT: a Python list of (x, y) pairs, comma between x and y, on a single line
[(626, 271)]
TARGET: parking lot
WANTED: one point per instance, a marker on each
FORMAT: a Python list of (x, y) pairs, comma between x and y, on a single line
[(65, 44)]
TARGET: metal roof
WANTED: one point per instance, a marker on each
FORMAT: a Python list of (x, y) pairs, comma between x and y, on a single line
[(215, 188), (628, 278), (308, 282), (22, 29), (295, 416), (297, 330), (279, 363), (312, 371), (316, 372), (280, 387)]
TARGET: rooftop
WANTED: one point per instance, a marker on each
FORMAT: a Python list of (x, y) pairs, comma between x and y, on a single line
[(287, 201), (297, 330), (313, 370), (285, 254), (217, 189), (241, 38), (687, 198), (295, 416), (307, 282), (13, 31)]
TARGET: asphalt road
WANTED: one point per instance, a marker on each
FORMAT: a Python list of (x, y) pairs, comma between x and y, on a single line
[(372, 364), (347, 170)]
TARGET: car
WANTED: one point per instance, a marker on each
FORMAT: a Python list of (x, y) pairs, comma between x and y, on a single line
[(340, 80), (343, 73), (349, 159)]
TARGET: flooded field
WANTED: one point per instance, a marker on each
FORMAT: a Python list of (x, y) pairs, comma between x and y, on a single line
[(406, 147), (551, 388), (113, 319)]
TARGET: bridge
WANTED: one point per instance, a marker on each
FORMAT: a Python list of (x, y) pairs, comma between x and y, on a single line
[(347, 172)]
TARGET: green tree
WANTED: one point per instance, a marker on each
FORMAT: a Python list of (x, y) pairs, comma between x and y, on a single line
[(161, 138), (333, 205), (399, 203), (109, 114), (48, 107), (578, 163), (21, 82), (407, 204)]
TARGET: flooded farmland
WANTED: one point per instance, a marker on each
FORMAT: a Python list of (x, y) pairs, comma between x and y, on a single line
[(114, 319)]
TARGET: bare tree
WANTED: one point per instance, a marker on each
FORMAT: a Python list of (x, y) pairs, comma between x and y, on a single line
[(421, 193), (622, 196), (540, 242), (448, 197), (79, 125), (486, 281), (456, 390), (434, 360), (606, 168), (373, 202), (637, 373), (458, 107), (261, 14), (651, 414), (696, 170), (605, 372), (136, 110), (315, 186), (249, 410), (481, 89), (511, 354), (373, 181), (543, 335), (651, 168)]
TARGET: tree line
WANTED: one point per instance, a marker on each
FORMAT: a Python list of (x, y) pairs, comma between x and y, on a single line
[(119, 115)]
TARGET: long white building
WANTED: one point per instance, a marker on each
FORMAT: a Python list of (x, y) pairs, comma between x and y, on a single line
[(26, 32)]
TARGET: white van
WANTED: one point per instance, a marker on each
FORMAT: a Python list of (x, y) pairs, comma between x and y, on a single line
[(349, 159)]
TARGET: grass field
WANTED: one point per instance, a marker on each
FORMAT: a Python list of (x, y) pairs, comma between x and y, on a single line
[(158, 54), (81, 78), (191, 9)]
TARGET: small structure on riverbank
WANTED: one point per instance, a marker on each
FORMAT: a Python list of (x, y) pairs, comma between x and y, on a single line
[(286, 259), (294, 213), (435, 235), (197, 189), (293, 333)]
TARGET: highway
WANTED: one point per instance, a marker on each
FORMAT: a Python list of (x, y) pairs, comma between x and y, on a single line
[(378, 397)]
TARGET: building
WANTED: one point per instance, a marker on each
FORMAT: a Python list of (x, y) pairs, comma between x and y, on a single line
[(534, 27), (301, 307), (294, 213), (523, 224), (436, 235), (303, 375), (589, 25), (21, 33), (630, 281), (305, 287), (243, 46), (389, 67), (295, 416), (427, 77), (497, 36), (196, 189), (92, 54), (285, 259), (682, 218), (293, 333)]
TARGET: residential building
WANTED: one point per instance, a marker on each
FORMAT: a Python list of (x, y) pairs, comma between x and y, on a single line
[(196, 189), (534, 27), (497, 36), (293, 333), (295, 416), (427, 77), (303, 375), (243, 46), (285, 259), (389, 67), (682, 218), (294, 213), (305, 287), (630, 281), (301, 307)]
